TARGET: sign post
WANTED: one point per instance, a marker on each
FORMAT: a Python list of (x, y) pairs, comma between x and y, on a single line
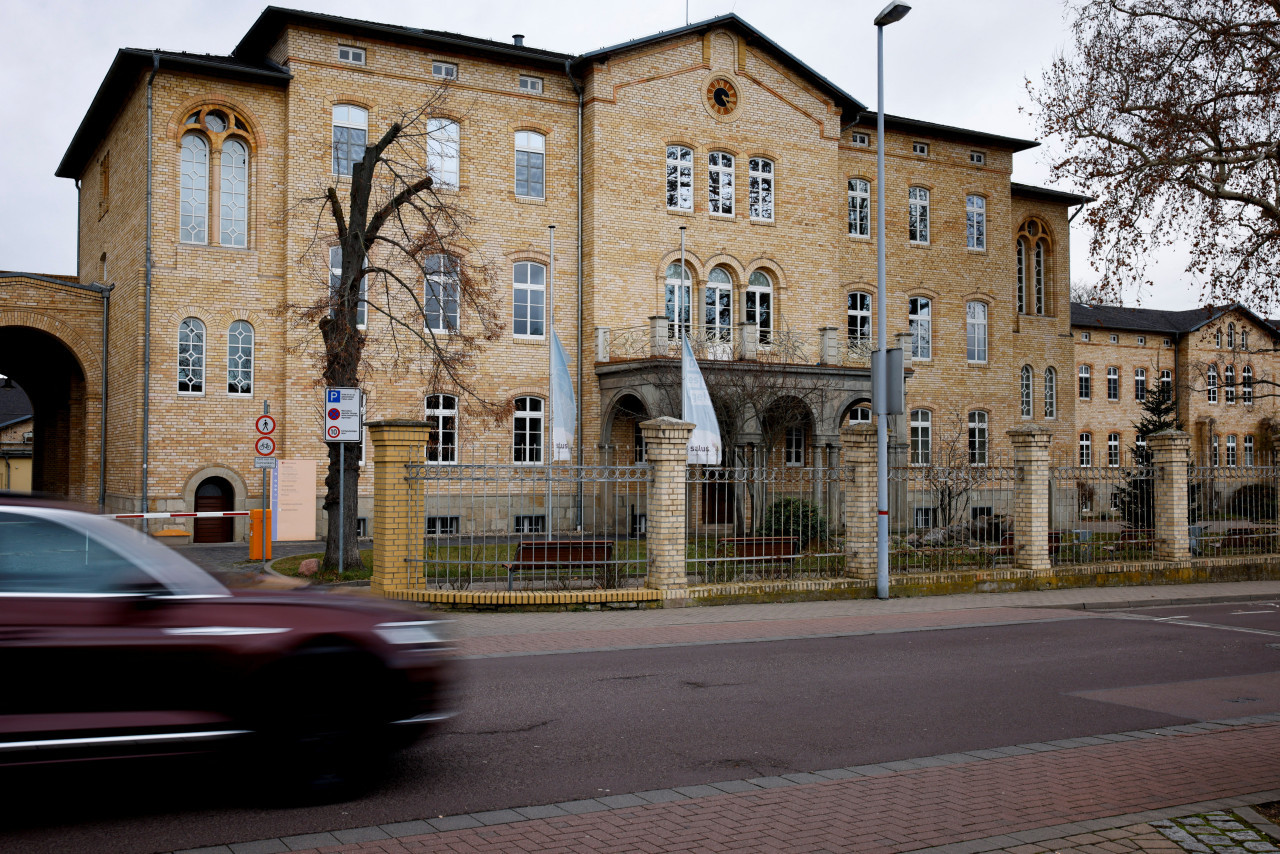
[(343, 411), (265, 446)]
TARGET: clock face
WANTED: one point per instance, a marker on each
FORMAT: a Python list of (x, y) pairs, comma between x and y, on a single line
[(722, 97)]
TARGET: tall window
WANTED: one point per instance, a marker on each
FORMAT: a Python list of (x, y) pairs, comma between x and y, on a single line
[(918, 215), (794, 451), (719, 183), (443, 144), (1113, 383), (1140, 384), (679, 178), (1113, 449), (859, 207), (531, 150), (240, 358), (1033, 250), (1166, 385), (760, 188), (1231, 451), (1050, 393), (921, 440), (530, 309), (1217, 339), (976, 332), (1213, 451), (190, 356), (977, 438), (759, 298), (859, 317), (1231, 336), (1022, 276), (234, 196), (678, 278), (195, 189), (442, 428), (1086, 383), (335, 282), (1038, 277), (1248, 450), (919, 316), (1229, 383), (718, 306), (1026, 383), (1086, 449), (1246, 385), (350, 133), (1211, 384), (975, 222), (1244, 339), (528, 430), (440, 293)]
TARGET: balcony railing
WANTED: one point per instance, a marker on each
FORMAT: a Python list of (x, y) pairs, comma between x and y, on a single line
[(660, 339)]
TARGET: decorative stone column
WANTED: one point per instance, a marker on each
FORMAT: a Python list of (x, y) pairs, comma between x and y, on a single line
[(749, 341), (666, 443), (829, 346), (659, 335), (1031, 496), (858, 455), (1170, 455), (399, 526)]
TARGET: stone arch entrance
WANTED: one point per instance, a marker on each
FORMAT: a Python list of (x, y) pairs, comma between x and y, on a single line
[(214, 495)]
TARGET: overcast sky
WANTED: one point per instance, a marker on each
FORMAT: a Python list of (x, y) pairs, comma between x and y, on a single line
[(956, 63)]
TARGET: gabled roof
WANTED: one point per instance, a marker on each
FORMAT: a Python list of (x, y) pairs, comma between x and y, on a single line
[(122, 77), (1044, 194), (1154, 320), (15, 406), (867, 119)]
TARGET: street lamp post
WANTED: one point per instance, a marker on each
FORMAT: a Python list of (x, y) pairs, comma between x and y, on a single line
[(891, 13)]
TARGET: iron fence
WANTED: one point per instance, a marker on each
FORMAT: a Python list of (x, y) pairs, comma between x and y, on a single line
[(755, 522), (950, 517), (1232, 508), (503, 526), (1101, 513), (773, 346)]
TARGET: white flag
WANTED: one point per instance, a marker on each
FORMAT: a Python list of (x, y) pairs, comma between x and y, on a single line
[(704, 443), (564, 408)]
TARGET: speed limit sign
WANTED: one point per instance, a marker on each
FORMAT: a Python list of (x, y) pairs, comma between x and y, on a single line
[(266, 446)]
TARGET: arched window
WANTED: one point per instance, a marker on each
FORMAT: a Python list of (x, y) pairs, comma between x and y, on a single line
[(759, 304), (1086, 385), (350, 134), (1033, 259), (1231, 336), (682, 279), (440, 293), (1038, 277), (760, 188), (240, 358), (918, 215), (977, 438), (1050, 393), (920, 323), (679, 178), (1217, 339), (442, 428), (859, 318), (195, 189), (975, 222), (233, 195), (1211, 384), (190, 356), (1022, 276), (1246, 384), (720, 183), (1244, 339), (531, 154), (860, 414), (530, 309), (1113, 449), (1026, 384), (921, 438), (976, 332), (1086, 450), (718, 306), (1229, 384), (527, 446), (443, 140), (859, 207), (1140, 384)]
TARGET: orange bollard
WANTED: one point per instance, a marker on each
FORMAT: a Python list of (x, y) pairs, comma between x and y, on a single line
[(255, 535)]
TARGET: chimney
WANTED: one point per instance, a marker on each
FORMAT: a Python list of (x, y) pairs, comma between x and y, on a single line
[(518, 38)]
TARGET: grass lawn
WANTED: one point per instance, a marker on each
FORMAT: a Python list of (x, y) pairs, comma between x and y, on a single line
[(289, 566)]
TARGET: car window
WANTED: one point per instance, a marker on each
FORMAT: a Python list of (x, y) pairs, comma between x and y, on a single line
[(38, 555)]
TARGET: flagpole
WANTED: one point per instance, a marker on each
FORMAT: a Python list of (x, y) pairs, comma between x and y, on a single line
[(551, 424), (680, 330)]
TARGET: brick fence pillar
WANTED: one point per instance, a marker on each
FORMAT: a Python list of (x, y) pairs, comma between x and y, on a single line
[(1170, 454), (858, 453), (666, 447), (1031, 496), (398, 520)]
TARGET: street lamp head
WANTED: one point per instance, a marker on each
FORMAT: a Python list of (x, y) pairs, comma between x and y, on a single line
[(892, 13)]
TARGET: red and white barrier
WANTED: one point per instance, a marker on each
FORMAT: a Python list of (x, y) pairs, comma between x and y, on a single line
[(204, 515)]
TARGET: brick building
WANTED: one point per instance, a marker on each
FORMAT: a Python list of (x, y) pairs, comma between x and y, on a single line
[(768, 167)]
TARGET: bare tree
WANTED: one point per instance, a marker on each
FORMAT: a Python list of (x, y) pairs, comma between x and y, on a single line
[(411, 270), (1094, 294), (1167, 110)]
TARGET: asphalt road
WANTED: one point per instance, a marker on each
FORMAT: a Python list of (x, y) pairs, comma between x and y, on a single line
[(539, 729)]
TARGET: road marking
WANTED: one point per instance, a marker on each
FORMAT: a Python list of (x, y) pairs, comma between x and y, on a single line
[(1253, 612), (1182, 621)]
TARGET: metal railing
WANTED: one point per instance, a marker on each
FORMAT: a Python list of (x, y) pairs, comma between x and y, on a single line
[(745, 342), (1232, 509), (950, 517), (756, 522), (1101, 513), (502, 526)]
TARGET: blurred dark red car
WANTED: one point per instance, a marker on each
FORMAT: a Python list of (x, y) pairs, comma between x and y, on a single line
[(114, 645)]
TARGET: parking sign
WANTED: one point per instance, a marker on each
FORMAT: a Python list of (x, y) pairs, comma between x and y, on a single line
[(342, 415)]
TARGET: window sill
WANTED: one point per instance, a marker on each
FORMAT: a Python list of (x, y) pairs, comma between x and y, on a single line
[(767, 222), (679, 212), (190, 394), (974, 251), (861, 238), (723, 217), (529, 200), (915, 244), (535, 340), (977, 364)]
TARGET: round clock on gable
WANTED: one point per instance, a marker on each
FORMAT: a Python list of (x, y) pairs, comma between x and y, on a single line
[(722, 96)]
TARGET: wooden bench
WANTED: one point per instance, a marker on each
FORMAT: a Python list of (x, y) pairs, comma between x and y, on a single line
[(551, 555), (765, 551)]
